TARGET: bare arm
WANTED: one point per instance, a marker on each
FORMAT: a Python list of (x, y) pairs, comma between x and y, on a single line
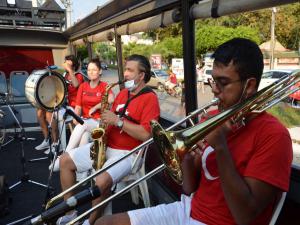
[(134, 130), (78, 112), (69, 69), (98, 106), (111, 98), (94, 109), (246, 197)]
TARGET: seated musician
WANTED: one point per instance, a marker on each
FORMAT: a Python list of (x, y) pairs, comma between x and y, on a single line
[(88, 105), (128, 126), (73, 80), (242, 170)]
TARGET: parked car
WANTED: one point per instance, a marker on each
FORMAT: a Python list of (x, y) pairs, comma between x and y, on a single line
[(294, 98), (104, 66), (269, 77), (207, 70), (158, 79)]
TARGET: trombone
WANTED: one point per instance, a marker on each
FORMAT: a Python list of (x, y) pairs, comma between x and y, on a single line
[(203, 109), (173, 145)]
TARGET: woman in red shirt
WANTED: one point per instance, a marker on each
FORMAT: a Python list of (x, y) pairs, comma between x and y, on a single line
[(73, 80), (88, 105)]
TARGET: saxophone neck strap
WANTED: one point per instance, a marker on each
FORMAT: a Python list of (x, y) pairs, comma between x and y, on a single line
[(145, 90)]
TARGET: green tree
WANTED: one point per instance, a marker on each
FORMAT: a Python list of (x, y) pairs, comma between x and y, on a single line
[(105, 51), (287, 27), (133, 48), (169, 48), (82, 52), (208, 37)]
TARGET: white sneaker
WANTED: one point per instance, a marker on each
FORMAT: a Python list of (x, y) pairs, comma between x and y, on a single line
[(53, 146), (43, 145), (66, 218), (86, 222), (56, 165)]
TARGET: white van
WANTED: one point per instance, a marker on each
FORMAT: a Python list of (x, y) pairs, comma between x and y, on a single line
[(204, 74), (270, 76)]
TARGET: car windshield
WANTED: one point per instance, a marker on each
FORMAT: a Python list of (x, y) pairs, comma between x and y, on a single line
[(208, 72), (275, 74), (161, 73), (266, 75)]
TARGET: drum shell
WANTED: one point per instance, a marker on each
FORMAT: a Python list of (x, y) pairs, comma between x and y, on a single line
[(45, 89)]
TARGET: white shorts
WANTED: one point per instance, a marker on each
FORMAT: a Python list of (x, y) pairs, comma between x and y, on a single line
[(176, 213), (83, 162)]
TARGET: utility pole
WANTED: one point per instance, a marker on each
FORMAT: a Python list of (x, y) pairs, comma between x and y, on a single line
[(68, 5), (273, 40)]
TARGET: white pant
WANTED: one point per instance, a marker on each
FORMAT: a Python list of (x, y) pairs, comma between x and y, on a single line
[(176, 213), (83, 162), (81, 133)]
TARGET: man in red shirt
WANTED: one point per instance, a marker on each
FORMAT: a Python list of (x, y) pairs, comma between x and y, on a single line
[(241, 170), (128, 126)]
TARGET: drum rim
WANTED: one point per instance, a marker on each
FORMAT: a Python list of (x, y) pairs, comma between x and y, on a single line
[(37, 98)]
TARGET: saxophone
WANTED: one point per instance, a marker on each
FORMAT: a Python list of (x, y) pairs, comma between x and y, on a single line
[(98, 148)]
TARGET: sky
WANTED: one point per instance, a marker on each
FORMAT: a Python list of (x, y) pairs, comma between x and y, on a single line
[(82, 8)]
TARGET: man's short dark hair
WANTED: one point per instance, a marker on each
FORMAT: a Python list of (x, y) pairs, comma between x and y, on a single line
[(74, 61), (144, 65), (245, 55)]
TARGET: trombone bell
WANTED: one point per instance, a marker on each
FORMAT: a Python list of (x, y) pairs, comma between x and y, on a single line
[(171, 150)]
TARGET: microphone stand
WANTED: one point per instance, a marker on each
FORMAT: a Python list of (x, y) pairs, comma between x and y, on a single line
[(49, 189), (55, 156), (25, 175), (22, 137), (55, 110)]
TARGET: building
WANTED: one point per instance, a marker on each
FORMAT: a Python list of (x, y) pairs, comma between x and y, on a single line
[(283, 58)]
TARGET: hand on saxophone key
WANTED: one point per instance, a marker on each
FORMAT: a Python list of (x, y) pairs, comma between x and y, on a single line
[(109, 117), (92, 111)]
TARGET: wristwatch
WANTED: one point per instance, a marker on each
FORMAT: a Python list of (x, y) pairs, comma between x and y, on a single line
[(120, 123)]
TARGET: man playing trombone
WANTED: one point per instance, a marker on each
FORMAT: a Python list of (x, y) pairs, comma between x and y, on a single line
[(129, 125), (243, 167)]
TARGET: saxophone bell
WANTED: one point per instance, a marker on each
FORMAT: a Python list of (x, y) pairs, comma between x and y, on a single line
[(97, 133)]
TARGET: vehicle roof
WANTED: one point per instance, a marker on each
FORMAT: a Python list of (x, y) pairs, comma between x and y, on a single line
[(280, 70)]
